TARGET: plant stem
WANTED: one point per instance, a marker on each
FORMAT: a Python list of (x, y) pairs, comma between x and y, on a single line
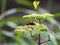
[(3, 6), (32, 41), (39, 40)]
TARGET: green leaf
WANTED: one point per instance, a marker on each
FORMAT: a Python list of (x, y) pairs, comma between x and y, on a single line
[(39, 29), (24, 2), (57, 15), (41, 26), (53, 38)]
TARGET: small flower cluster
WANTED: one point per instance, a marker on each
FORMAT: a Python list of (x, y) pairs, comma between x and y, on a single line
[(31, 15), (38, 15), (28, 28), (25, 28)]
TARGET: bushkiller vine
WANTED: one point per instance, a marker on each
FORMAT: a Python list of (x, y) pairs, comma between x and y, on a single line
[(38, 28)]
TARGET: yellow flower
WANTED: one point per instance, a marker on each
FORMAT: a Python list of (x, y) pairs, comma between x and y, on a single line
[(35, 4)]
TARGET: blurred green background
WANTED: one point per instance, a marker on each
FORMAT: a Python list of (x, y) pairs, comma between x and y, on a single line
[(10, 16)]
